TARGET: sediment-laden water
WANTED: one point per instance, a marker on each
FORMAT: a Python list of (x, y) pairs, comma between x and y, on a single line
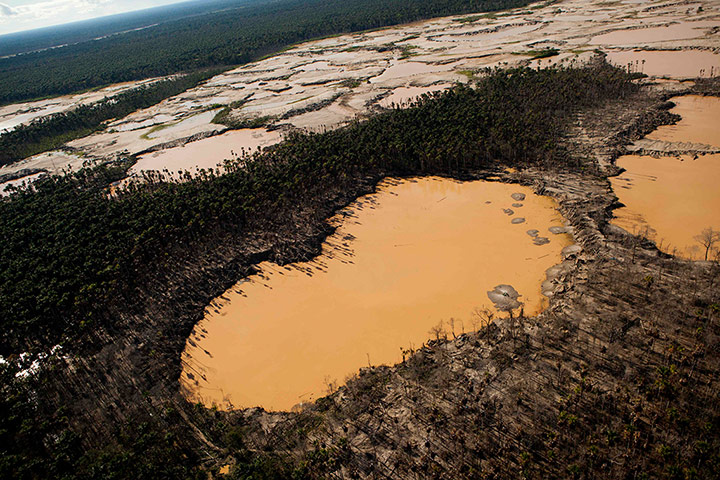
[(414, 261)]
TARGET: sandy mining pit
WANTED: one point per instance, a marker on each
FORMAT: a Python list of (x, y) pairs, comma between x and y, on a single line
[(671, 193), (419, 259), (323, 84)]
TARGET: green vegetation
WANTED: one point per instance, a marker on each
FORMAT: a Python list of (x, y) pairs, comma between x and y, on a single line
[(68, 247), (224, 117), (233, 35), (535, 54), (156, 128), (350, 83), (53, 131), (545, 53), (407, 51), (475, 18)]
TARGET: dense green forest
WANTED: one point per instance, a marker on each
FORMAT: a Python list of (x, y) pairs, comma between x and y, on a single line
[(51, 132), (68, 246), (234, 35)]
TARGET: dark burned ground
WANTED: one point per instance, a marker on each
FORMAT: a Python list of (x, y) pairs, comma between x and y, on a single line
[(617, 379)]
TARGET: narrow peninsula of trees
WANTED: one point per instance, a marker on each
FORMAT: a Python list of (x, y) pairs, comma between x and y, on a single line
[(53, 131)]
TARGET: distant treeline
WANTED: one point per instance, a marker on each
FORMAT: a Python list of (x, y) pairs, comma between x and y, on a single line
[(51, 132), (240, 33), (68, 246)]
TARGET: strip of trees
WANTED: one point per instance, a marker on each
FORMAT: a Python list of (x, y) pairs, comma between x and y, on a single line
[(53, 131)]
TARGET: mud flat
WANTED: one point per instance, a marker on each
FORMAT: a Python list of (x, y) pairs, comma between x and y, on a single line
[(208, 153), (54, 162), (402, 263), (672, 199)]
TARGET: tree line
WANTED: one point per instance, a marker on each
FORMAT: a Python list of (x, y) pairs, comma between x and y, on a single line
[(70, 246)]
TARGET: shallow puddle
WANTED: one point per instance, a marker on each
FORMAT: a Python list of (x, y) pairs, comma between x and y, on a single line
[(639, 36), (403, 260), (669, 199), (207, 153), (668, 63)]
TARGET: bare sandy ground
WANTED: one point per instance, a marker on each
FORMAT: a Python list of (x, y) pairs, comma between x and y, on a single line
[(323, 84)]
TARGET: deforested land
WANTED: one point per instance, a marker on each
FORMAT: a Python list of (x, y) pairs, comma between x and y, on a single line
[(105, 277)]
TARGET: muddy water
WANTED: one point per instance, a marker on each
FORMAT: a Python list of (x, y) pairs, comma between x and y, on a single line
[(207, 153), (414, 254), (406, 95), (674, 198), (700, 121), (681, 31), (669, 63)]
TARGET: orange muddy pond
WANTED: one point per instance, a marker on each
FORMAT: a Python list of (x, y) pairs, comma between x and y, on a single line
[(676, 198), (415, 253), (700, 121), (668, 63)]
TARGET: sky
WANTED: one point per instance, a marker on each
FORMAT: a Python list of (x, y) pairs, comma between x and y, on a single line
[(18, 15)]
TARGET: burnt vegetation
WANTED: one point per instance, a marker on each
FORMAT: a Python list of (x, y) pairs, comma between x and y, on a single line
[(618, 379)]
